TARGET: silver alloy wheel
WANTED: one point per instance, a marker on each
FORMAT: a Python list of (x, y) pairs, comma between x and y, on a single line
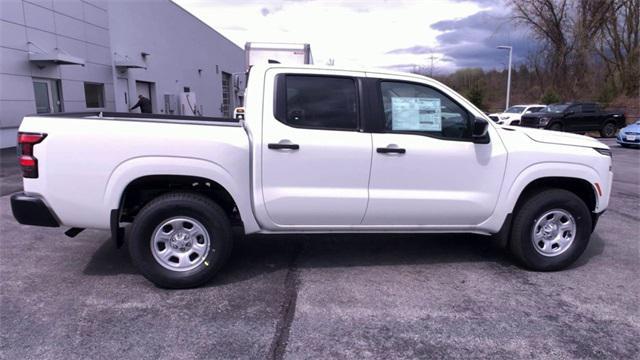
[(553, 232), (180, 243)]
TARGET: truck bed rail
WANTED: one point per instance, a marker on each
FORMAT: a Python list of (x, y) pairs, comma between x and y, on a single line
[(124, 116)]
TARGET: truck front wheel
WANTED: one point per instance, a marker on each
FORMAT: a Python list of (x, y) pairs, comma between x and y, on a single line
[(608, 130), (180, 240), (550, 230)]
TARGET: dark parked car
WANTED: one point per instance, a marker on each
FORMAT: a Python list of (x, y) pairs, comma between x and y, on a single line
[(576, 117)]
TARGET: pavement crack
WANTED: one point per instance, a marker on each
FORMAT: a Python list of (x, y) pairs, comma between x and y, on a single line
[(287, 308)]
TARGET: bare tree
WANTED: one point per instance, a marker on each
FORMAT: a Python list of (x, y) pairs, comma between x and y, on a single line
[(548, 19), (567, 29), (619, 45)]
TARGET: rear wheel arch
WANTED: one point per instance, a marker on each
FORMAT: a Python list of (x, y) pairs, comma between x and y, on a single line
[(142, 190)]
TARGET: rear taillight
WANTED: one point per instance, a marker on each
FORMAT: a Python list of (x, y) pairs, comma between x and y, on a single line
[(28, 162)]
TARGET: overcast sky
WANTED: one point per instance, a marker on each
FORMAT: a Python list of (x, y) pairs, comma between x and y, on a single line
[(376, 33)]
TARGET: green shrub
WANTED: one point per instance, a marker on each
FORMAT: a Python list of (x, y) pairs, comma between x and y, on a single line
[(550, 97)]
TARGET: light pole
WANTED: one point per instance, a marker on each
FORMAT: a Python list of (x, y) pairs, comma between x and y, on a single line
[(503, 47)]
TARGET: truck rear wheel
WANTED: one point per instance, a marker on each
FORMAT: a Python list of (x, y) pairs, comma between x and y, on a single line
[(180, 240), (608, 130), (550, 230)]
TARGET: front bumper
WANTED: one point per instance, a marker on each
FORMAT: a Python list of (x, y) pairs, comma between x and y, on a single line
[(622, 139), (31, 210)]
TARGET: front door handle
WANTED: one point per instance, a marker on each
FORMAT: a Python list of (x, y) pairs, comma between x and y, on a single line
[(281, 146), (391, 150)]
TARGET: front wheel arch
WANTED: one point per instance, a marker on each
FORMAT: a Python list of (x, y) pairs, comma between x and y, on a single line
[(556, 126)]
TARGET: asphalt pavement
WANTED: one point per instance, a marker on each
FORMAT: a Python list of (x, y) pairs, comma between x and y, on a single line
[(326, 296)]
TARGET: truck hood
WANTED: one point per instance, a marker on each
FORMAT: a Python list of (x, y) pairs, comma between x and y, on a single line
[(560, 138)]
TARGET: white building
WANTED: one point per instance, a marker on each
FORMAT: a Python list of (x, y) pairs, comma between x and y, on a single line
[(95, 55)]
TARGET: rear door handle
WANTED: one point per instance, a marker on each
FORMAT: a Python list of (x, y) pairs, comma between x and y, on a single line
[(391, 150), (280, 146)]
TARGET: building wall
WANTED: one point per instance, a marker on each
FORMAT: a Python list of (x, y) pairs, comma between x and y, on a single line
[(103, 32), (79, 27), (178, 45)]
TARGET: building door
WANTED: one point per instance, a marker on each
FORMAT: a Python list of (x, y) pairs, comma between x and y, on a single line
[(145, 89), (225, 108), (47, 95)]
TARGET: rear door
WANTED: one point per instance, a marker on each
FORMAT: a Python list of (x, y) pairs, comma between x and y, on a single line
[(315, 160)]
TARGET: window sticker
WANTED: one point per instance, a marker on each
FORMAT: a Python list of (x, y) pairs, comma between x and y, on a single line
[(416, 114)]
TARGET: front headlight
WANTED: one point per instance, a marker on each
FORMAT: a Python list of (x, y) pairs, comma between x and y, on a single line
[(544, 121), (605, 152)]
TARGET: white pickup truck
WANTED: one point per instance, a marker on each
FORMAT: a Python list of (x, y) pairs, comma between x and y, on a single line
[(321, 150)]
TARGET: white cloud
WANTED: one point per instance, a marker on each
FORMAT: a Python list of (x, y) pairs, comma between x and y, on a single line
[(351, 32)]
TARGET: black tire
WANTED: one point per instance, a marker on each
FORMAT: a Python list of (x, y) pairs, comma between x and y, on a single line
[(206, 212), (608, 130), (521, 244), (556, 127), (625, 145)]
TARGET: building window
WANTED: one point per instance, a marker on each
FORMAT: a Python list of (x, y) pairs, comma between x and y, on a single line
[(94, 95)]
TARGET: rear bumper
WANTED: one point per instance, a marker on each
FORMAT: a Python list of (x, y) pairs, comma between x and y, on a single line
[(31, 210)]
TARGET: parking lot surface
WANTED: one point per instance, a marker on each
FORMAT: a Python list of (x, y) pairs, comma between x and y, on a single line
[(329, 296)]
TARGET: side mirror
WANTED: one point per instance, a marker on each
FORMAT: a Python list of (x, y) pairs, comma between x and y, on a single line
[(570, 113), (480, 131)]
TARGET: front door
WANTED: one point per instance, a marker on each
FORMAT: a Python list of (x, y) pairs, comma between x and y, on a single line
[(315, 161), (574, 121), (47, 96), (425, 170)]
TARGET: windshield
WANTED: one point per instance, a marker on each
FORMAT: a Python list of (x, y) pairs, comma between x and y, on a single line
[(515, 110), (555, 108)]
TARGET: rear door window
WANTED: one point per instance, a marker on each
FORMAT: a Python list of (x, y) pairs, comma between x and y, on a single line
[(317, 102)]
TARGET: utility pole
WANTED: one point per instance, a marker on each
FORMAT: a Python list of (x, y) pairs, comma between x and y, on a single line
[(504, 47), (432, 57)]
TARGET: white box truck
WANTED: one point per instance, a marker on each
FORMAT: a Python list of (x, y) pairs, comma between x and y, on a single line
[(258, 53)]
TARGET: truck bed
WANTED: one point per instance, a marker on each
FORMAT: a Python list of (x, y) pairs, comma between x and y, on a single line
[(87, 158)]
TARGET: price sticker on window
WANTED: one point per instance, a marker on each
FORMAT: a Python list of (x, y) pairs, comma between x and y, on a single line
[(416, 114)]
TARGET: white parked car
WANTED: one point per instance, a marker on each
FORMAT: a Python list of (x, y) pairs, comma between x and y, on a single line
[(320, 150), (512, 115)]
